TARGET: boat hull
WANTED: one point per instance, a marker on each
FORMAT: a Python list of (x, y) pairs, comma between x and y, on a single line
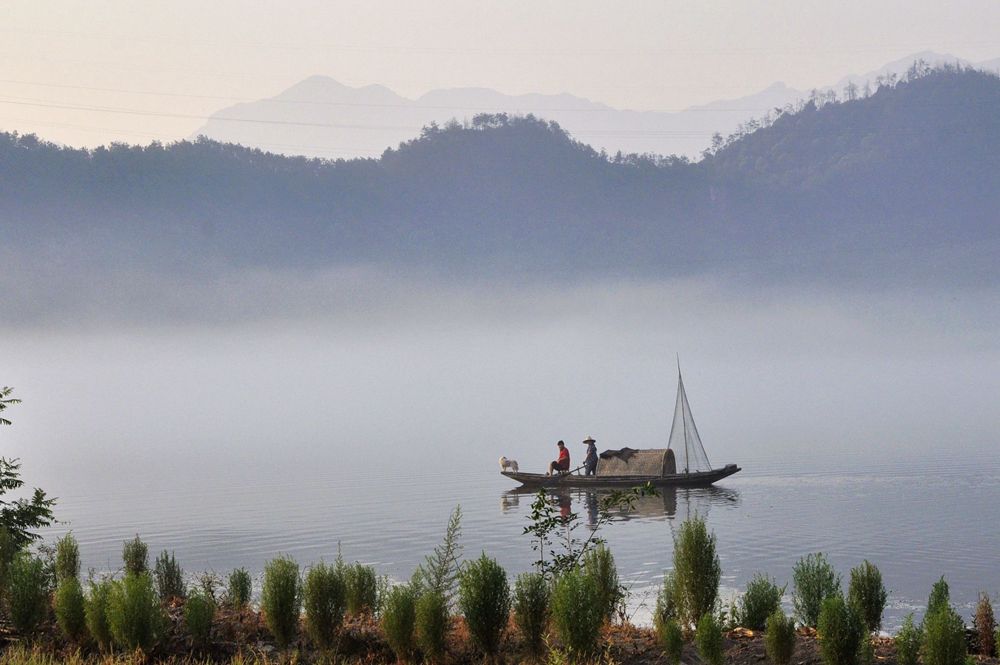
[(698, 479)]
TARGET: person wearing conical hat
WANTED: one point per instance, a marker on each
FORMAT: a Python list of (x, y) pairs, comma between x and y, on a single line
[(590, 463)]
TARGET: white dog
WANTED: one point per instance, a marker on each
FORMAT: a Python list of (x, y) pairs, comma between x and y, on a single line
[(506, 464)]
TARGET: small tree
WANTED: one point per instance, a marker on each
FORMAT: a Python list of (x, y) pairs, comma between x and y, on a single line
[(281, 599), (841, 631), (940, 597), (779, 638), (814, 580), (67, 558), (135, 556), (944, 638), (484, 599), (169, 577), (761, 599), (985, 625), (867, 592), (70, 609), (696, 571), (908, 642), (708, 638), (22, 517), (439, 572)]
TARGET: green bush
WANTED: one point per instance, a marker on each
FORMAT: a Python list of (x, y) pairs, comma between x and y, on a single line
[(134, 613), (169, 576), (362, 589), (867, 593), (67, 558), (760, 601), (779, 638), (8, 551), (531, 610), (96, 612), (841, 631), (696, 571), (239, 589), (939, 598), (135, 556), (281, 599), (27, 593), (70, 609), (668, 632), (484, 600), (599, 564), (814, 580), (985, 625), (576, 612), (399, 619), (944, 638), (199, 610), (324, 598), (666, 606), (708, 638), (431, 615), (908, 642)]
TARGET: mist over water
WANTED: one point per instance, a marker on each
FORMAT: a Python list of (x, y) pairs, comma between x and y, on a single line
[(281, 414)]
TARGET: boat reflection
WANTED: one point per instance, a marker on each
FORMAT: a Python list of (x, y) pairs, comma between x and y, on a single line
[(665, 505)]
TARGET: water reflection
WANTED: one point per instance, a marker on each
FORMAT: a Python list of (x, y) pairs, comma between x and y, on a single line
[(666, 505)]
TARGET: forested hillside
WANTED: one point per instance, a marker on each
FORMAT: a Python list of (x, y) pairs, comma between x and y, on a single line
[(827, 187)]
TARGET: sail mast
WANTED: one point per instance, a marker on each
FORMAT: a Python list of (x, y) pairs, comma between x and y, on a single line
[(682, 400)]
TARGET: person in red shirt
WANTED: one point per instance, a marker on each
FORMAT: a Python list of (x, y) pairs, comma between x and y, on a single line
[(562, 463)]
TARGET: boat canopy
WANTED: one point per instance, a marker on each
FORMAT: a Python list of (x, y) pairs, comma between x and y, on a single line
[(631, 462)]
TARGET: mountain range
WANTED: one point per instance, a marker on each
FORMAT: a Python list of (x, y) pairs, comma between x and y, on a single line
[(320, 117)]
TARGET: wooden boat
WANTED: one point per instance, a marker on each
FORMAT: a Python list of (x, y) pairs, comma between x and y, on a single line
[(628, 467)]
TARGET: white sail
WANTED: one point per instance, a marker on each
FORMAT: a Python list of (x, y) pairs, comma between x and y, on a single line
[(684, 439)]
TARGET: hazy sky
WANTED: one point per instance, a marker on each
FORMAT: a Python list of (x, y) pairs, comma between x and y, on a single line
[(198, 57)]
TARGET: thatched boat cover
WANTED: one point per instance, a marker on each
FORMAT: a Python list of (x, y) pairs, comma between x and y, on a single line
[(631, 462)]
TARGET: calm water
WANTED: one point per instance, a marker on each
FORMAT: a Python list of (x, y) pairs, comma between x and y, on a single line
[(916, 521)]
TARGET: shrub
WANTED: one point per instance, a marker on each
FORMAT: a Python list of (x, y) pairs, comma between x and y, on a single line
[(324, 598), (985, 625), (484, 600), (135, 556), (671, 638), (169, 576), (362, 589), (281, 599), (708, 638), (531, 610), (8, 551), (134, 614), (867, 593), (599, 564), (666, 607), (944, 638), (240, 588), (939, 598), (431, 614), (70, 613), (96, 612), (67, 558), (576, 612), (841, 630), (696, 571), (199, 610), (908, 642), (814, 580), (399, 619), (28, 593), (761, 599), (779, 638)]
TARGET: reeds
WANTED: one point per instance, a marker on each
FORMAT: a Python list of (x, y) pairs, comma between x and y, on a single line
[(814, 580), (281, 599)]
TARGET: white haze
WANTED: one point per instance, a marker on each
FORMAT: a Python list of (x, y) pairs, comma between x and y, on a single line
[(351, 372)]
